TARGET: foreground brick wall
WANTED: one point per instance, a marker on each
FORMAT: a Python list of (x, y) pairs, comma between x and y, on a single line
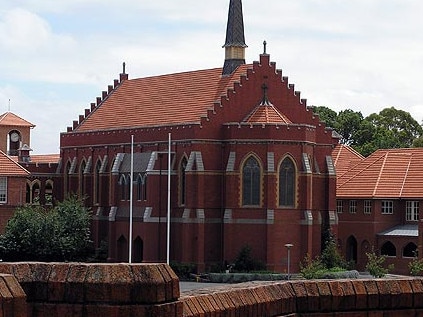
[(77, 289), (346, 298), (12, 297), (152, 290)]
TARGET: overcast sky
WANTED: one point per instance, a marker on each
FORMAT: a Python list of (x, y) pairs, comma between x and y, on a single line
[(57, 56)]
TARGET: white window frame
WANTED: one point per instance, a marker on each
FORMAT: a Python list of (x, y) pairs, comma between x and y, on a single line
[(3, 190), (367, 207), (412, 210), (339, 206), (353, 206), (387, 207)]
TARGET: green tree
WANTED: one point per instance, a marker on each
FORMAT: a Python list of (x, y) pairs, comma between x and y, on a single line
[(39, 234), (326, 115), (375, 265), (390, 128)]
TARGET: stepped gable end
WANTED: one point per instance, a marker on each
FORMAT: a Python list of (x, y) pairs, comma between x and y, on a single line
[(99, 100)]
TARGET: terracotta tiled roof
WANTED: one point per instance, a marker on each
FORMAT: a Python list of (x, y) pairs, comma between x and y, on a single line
[(345, 157), (45, 158), (267, 113), (8, 167), (160, 100), (11, 119), (394, 173)]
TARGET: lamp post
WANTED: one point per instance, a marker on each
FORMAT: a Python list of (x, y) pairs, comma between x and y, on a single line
[(288, 247)]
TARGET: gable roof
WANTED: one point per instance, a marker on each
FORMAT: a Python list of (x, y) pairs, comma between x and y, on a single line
[(267, 113), (393, 173), (11, 119), (8, 167), (344, 158), (161, 100)]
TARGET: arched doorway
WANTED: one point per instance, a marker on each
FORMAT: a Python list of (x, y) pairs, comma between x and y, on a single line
[(122, 250), (138, 250), (351, 249)]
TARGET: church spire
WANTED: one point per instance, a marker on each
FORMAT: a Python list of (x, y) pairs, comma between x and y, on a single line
[(235, 40)]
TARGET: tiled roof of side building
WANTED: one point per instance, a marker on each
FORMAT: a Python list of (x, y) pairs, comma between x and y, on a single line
[(344, 158), (11, 119), (161, 100), (393, 173), (8, 167)]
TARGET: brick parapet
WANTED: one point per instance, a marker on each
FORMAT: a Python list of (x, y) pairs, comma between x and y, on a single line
[(12, 297), (81, 289), (381, 297)]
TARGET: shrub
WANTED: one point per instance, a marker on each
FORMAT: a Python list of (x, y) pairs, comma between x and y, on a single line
[(416, 266), (183, 270), (244, 262), (312, 269), (58, 234), (375, 265), (331, 257)]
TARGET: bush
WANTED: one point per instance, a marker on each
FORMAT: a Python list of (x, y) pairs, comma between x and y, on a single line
[(246, 263), (183, 270), (331, 257), (38, 234), (375, 265), (312, 269), (416, 267)]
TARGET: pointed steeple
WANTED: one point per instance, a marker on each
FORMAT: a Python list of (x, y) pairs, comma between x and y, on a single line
[(235, 40)]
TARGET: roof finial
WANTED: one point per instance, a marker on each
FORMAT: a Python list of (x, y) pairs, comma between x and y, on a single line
[(265, 101), (264, 47), (124, 66), (9, 106)]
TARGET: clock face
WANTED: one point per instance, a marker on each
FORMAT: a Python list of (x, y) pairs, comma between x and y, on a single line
[(14, 137)]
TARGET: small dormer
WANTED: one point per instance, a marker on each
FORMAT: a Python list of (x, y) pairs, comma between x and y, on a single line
[(14, 133)]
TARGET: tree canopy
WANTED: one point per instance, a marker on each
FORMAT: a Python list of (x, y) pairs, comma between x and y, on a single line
[(34, 233), (390, 128)]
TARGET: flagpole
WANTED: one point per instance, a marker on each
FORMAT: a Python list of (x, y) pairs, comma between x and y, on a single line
[(131, 187), (168, 200)]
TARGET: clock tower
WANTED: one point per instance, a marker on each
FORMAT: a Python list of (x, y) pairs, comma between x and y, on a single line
[(15, 132)]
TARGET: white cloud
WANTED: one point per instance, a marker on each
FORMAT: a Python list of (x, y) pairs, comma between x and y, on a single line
[(364, 55)]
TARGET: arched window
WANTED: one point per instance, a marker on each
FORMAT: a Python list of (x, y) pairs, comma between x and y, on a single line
[(128, 184), (123, 186), (388, 249), (287, 181), (35, 199), (67, 179), (48, 194), (97, 182), (410, 250), (251, 182), (142, 187), (81, 179), (183, 181), (28, 193)]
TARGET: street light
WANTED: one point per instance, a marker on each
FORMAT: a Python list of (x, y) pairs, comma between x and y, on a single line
[(288, 247)]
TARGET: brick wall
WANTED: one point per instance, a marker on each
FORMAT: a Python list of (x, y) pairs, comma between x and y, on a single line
[(147, 290)]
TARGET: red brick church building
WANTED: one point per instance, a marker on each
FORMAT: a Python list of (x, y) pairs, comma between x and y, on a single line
[(250, 163)]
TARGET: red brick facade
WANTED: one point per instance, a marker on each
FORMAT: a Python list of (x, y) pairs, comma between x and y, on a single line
[(210, 224)]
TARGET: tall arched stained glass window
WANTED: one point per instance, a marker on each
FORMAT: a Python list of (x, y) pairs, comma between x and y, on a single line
[(287, 183), (251, 182), (183, 181)]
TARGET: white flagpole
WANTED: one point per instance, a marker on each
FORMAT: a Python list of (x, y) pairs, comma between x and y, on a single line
[(131, 187), (168, 199)]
